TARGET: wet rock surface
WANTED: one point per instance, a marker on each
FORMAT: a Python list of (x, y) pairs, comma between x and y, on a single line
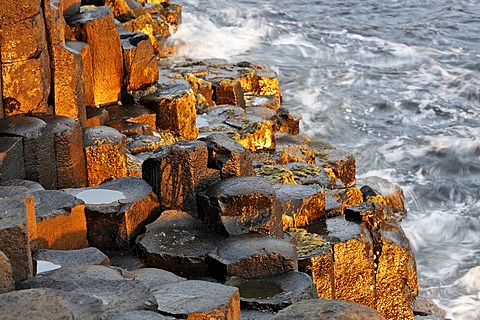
[(241, 205), (253, 256), (179, 243), (274, 293)]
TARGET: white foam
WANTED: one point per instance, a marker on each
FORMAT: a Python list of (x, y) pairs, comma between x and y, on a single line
[(100, 196), (44, 266)]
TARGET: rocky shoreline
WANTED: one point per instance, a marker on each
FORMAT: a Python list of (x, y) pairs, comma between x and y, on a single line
[(162, 189)]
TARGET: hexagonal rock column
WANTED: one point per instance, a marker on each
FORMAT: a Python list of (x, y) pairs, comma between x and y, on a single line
[(131, 114), (252, 256), (241, 205), (174, 104), (24, 52), (371, 214), (391, 193), (141, 68), (196, 299), (15, 238), (34, 304), (61, 222), (228, 156), (327, 309), (179, 243), (6, 274), (315, 257), (252, 132), (117, 211), (38, 143), (69, 155), (12, 162), (340, 163), (354, 267), (97, 28), (104, 154), (274, 293), (301, 204), (176, 173), (103, 287), (396, 278)]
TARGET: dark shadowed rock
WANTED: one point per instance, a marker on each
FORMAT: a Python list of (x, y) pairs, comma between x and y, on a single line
[(427, 309), (196, 299), (69, 155), (274, 293), (371, 214), (97, 28), (176, 173), (179, 243), (117, 211), (61, 222), (241, 205), (327, 309), (252, 256), (64, 258), (12, 162), (228, 156), (134, 113), (39, 303), (38, 143), (301, 204), (15, 237), (6, 274), (101, 282), (104, 154), (125, 259), (96, 117)]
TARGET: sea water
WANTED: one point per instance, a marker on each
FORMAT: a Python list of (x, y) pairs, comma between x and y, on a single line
[(396, 83)]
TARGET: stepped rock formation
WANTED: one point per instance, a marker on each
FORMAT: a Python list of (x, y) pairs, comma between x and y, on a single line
[(191, 169)]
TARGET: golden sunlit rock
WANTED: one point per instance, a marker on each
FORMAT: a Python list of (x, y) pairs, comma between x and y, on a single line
[(97, 28), (12, 11), (104, 154), (61, 222)]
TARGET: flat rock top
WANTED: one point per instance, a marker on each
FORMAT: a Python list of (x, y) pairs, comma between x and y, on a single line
[(155, 278), (34, 304), (64, 258), (101, 135), (185, 297), (328, 310), (221, 141), (28, 127), (51, 203), (167, 89), (136, 315), (236, 248), (342, 229), (176, 232), (113, 193), (241, 186), (89, 15), (286, 192), (60, 124), (30, 185)]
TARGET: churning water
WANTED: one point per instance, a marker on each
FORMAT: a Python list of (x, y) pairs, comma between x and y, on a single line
[(396, 83)]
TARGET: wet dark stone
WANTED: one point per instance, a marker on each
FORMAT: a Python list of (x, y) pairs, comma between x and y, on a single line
[(371, 214), (274, 293), (125, 259), (252, 256), (126, 117), (328, 309), (155, 278), (198, 300), (391, 193), (135, 315), (241, 205), (12, 163), (96, 116), (178, 243), (38, 143), (176, 173), (256, 315), (228, 156)]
